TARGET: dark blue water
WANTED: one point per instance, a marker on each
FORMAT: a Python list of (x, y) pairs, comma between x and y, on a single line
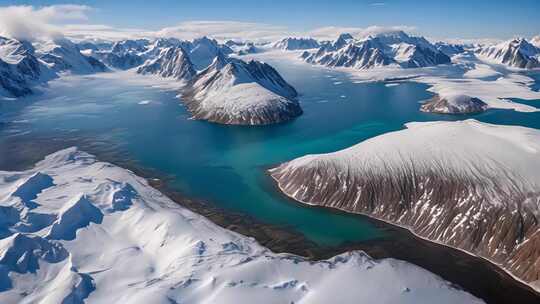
[(226, 164)]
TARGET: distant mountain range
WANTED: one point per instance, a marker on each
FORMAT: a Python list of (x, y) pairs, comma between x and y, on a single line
[(400, 49), (518, 53), (291, 43), (23, 65), (388, 49)]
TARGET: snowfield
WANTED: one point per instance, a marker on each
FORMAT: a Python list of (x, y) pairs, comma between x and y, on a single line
[(76, 230)]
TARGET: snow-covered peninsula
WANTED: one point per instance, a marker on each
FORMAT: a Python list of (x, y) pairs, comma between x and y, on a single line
[(466, 184)]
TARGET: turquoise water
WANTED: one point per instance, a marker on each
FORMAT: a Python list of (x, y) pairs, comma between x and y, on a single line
[(226, 164)]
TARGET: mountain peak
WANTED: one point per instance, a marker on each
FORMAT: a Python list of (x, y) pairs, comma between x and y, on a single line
[(345, 36)]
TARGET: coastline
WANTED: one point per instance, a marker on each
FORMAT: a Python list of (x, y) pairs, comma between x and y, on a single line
[(533, 289), (475, 275)]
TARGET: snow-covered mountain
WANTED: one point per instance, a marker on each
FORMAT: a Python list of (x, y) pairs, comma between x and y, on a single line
[(231, 91), (450, 49), (518, 53), (130, 46), (94, 45), (396, 48), (122, 61), (76, 230), (242, 48), (24, 65), (171, 62), (125, 54), (454, 104), (62, 55), (293, 43), (466, 184), (203, 50), (536, 41), (19, 67)]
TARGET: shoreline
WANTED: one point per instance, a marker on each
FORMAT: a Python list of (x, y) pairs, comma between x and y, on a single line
[(531, 288), (284, 239), (475, 275)]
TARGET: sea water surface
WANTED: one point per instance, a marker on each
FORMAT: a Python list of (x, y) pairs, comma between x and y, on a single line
[(226, 165)]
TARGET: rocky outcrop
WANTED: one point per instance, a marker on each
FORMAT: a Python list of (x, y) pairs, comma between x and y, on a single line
[(231, 91), (468, 185), (454, 104)]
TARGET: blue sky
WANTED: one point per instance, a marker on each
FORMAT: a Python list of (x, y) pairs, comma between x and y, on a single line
[(438, 19)]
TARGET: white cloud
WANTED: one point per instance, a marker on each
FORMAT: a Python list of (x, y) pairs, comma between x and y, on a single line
[(224, 30), (28, 22), (377, 4), (99, 32), (331, 32)]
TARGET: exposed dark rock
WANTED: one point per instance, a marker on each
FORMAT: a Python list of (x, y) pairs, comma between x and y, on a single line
[(458, 104)]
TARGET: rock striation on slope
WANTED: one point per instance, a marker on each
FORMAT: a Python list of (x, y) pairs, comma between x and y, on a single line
[(469, 185), (232, 91)]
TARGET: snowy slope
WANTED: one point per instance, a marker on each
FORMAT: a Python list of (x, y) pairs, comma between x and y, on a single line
[(242, 48), (62, 55), (518, 53), (203, 50), (467, 184), (536, 41), (171, 62), (19, 68), (75, 229), (450, 49), (125, 54), (231, 91), (395, 48)]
